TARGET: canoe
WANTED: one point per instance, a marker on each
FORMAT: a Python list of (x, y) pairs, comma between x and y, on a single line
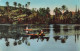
[(28, 29), (36, 34)]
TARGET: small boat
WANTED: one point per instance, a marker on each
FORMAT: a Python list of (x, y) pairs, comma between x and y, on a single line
[(36, 34), (27, 29)]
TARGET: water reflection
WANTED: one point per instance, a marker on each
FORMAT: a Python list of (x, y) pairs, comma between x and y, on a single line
[(62, 38), (37, 34), (18, 40), (56, 28), (20, 35)]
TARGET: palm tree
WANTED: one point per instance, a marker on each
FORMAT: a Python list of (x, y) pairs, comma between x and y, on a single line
[(22, 6), (64, 8), (7, 8), (42, 14), (57, 14), (19, 5), (28, 3), (7, 3), (20, 9), (48, 9), (15, 4), (57, 11), (47, 13)]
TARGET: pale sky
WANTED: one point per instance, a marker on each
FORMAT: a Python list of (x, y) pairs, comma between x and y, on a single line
[(71, 4)]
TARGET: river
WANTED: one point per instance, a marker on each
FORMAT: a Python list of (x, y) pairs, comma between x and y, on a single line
[(59, 37)]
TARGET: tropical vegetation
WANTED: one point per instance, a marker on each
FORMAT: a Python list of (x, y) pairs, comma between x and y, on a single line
[(22, 14)]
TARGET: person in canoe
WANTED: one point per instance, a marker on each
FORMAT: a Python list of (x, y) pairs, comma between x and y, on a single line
[(27, 29), (42, 32)]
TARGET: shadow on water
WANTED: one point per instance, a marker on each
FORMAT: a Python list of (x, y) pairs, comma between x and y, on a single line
[(65, 28), (56, 28), (20, 36), (77, 27), (61, 38), (22, 39)]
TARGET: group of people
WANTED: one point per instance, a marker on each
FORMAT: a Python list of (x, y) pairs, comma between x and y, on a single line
[(40, 32)]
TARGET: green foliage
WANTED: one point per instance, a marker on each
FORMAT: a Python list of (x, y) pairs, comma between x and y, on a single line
[(19, 5), (7, 3), (42, 15), (15, 4)]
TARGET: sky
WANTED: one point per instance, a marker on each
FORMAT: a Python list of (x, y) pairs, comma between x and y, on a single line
[(71, 4)]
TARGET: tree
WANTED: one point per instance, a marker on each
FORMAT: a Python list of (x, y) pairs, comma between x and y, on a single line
[(47, 10), (15, 4), (7, 8), (7, 4), (47, 14), (57, 12), (28, 3), (64, 8), (22, 6), (42, 13), (33, 10), (19, 5)]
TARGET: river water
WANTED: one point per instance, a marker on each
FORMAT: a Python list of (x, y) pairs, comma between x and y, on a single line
[(59, 37)]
